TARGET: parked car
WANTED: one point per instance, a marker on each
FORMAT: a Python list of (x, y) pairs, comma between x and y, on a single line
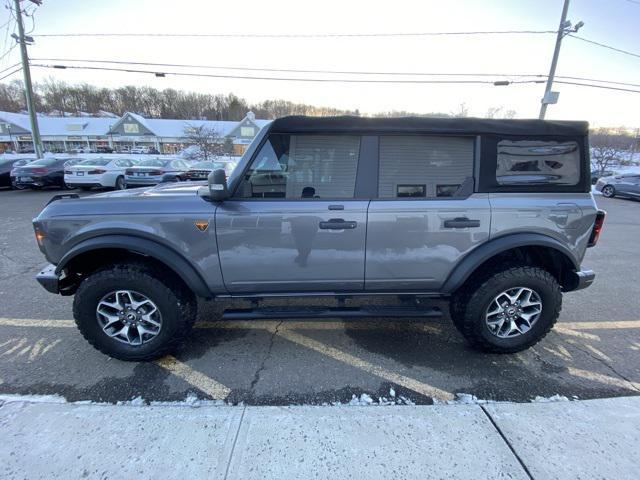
[(80, 150), (356, 207), (201, 170), (141, 150), (155, 170), (627, 185), (7, 165), (97, 172), (597, 174), (104, 150), (44, 172)]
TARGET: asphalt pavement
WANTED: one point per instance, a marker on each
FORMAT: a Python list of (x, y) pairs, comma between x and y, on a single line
[(594, 351)]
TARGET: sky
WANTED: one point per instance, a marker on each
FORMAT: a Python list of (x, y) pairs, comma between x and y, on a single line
[(614, 22)]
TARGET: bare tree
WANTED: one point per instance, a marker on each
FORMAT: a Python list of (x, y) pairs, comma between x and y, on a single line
[(607, 147), (207, 139)]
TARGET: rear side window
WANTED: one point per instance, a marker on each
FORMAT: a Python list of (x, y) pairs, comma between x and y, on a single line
[(303, 166), (421, 166), (535, 162)]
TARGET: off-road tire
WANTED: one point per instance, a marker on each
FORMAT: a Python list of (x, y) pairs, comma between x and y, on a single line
[(177, 305), (608, 191), (469, 306)]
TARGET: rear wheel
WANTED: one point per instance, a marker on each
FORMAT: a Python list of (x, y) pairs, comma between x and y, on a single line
[(133, 311), (509, 310), (120, 185), (608, 191)]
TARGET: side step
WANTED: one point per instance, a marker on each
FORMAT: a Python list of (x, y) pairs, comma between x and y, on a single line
[(330, 312)]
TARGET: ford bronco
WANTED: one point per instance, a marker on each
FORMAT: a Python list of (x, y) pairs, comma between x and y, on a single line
[(493, 215)]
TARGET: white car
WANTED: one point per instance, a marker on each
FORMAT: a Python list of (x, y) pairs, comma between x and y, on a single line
[(140, 150), (97, 172)]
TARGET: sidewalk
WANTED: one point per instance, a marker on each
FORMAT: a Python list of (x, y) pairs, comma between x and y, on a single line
[(579, 439)]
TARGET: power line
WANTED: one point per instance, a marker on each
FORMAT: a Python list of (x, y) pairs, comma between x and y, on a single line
[(288, 79), (284, 70), (296, 35), (9, 67), (335, 72), (9, 74), (619, 50), (326, 80), (597, 86)]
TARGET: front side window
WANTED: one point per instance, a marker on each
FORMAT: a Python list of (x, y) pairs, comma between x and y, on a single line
[(421, 166), (522, 162), (303, 166)]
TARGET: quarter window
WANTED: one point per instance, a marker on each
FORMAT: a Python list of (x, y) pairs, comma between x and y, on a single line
[(303, 166), (522, 162), (424, 166)]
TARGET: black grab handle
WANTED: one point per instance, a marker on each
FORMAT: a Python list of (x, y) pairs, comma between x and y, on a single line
[(461, 222)]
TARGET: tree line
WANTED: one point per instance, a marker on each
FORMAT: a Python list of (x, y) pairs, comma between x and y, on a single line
[(52, 96), (58, 98)]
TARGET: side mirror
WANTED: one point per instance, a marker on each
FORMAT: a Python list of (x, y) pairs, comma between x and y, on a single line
[(218, 185)]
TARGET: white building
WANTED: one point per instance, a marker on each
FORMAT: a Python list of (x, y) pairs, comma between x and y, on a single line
[(61, 134)]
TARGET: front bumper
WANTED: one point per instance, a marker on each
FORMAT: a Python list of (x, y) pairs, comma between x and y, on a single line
[(49, 279), (583, 279), (55, 282)]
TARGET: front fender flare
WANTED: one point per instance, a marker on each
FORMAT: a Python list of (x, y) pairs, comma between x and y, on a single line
[(169, 257), (463, 270)]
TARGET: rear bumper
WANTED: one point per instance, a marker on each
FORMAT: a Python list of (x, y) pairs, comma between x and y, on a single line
[(583, 279)]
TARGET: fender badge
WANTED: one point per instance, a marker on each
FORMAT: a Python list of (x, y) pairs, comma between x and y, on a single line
[(202, 225)]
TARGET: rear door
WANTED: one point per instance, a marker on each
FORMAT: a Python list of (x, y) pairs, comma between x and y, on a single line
[(296, 222), (426, 215)]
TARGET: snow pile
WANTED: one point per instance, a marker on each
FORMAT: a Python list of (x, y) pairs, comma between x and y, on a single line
[(554, 398)]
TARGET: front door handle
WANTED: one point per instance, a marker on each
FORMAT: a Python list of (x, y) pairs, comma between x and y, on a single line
[(461, 222), (338, 224)]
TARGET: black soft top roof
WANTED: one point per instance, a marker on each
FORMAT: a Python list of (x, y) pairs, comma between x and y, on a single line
[(465, 126)]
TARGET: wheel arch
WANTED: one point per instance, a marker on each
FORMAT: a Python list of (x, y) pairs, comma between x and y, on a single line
[(95, 252), (524, 248)]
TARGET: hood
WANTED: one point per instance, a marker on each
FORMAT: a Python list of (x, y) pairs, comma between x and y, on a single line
[(161, 190), (172, 198)]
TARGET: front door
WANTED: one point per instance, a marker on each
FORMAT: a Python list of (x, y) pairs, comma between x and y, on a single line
[(294, 224)]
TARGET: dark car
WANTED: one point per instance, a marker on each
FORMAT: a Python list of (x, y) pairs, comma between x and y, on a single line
[(8, 164), (201, 170), (154, 171), (104, 150), (45, 172)]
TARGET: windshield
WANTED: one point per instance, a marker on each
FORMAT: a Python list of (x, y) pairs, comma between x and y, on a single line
[(152, 163)]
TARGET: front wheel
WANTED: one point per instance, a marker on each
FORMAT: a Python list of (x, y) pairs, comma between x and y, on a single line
[(608, 191), (509, 310), (133, 312)]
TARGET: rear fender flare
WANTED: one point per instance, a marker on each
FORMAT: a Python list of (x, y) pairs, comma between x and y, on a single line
[(465, 268)]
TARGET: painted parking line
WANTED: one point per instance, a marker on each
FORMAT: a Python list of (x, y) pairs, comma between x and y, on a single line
[(326, 325), (349, 359), (602, 378), (208, 385), (613, 325)]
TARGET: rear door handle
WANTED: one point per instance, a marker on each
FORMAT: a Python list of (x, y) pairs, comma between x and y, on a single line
[(338, 224), (461, 222)]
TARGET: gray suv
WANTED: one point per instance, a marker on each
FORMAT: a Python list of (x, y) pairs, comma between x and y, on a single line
[(494, 215)]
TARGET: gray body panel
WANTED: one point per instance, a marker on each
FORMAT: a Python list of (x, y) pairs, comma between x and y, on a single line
[(566, 217), (165, 215), (408, 246), (277, 246)]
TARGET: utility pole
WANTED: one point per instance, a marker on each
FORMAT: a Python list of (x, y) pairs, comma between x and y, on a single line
[(28, 88), (563, 29)]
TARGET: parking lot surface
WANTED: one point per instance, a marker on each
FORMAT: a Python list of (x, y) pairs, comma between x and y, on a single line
[(593, 352)]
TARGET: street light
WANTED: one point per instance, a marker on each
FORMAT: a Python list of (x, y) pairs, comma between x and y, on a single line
[(10, 137)]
